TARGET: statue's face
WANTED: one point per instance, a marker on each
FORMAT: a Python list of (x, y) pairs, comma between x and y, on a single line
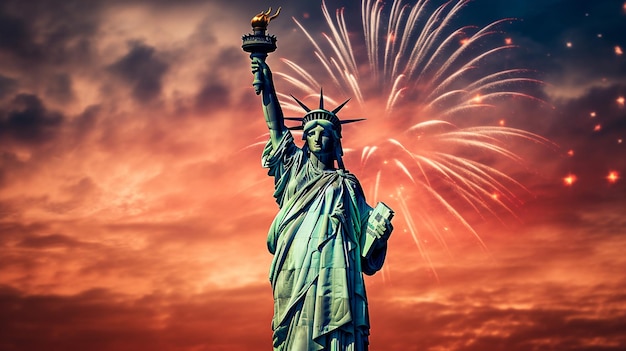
[(319, 139)]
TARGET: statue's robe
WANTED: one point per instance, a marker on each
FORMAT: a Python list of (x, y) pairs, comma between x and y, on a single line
[(317, 270)]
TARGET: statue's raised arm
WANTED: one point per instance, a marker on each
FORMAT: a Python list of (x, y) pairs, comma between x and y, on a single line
[(259, 44), (264, 85)]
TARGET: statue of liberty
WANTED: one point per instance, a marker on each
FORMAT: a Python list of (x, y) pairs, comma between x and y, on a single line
[(325, 236)]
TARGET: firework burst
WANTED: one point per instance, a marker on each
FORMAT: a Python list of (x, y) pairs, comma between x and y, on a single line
[(421, 151)]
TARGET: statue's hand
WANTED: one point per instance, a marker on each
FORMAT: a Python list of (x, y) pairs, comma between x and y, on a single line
[(382, 232), (262, 75)]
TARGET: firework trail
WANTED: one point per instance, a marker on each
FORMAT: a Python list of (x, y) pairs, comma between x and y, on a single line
[(431, 75)]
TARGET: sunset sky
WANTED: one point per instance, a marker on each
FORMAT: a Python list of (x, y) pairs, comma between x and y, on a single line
[(134, 209)]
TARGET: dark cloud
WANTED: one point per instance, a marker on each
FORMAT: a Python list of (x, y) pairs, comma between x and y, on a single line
[(8, 161), (47, 33), (5, 208), (594, 140), (48, 241), (40, 44), (7, 86), (574, 126), (75, 195), (143, 70), (28, 120), (11, 231), (60, 88), (71, 322), (16, 37), (593, 28), (213, 96), (498, 313), (99, 319), (85, 122)]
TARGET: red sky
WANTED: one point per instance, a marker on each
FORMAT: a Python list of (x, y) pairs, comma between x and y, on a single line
[(134, 210)]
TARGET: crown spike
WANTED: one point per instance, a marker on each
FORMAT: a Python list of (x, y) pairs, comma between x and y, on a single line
[(346, 121), (340, 106), (301, 104), (321, 99)]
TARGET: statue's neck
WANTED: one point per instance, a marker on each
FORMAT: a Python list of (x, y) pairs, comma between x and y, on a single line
[(323, 161)]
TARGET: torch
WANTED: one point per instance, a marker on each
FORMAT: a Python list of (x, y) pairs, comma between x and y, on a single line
[(259, 44)]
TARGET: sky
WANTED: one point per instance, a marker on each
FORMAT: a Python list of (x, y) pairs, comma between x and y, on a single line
[(134, 208)]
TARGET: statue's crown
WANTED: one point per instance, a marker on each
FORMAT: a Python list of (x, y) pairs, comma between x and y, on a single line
[(321, 114)]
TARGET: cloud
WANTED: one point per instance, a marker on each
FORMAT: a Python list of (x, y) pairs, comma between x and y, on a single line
[(45, 34), (15, 37), (142, 69), (60, 88), (495, 320), (215, 92), (7, 86), (29, 121), (99, 319), (590, 127), (46, 241), (544, 288), (212, 97)]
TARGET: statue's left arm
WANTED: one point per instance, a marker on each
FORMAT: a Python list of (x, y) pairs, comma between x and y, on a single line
[(373, 242), (373, 262)]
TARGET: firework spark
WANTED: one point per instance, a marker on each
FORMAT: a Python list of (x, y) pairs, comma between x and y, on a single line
[(429, 73), (569, 180)]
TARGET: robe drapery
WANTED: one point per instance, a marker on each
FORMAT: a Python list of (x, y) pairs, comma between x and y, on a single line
[(317, 270)]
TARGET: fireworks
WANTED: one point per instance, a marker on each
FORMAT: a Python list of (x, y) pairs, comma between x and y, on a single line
[(569, 180), (426, 72)]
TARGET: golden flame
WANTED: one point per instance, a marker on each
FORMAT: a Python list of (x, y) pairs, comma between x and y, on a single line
[(263, 19)]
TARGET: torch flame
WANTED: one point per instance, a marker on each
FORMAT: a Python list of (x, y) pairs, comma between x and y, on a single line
[(263, 19)]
